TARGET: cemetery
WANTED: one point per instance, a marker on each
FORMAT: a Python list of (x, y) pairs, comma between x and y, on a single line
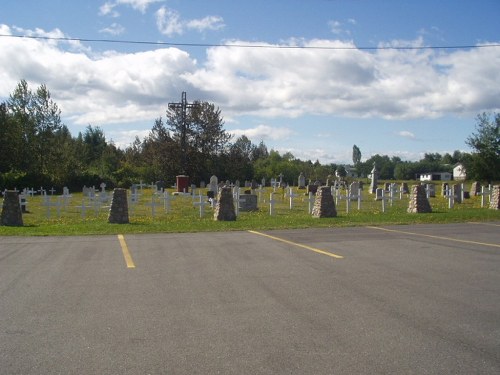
[(147, 208)]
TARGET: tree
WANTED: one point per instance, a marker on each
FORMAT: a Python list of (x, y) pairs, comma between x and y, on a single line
[(11, 141), (160, 153), (485, 163), (205, 138), (38, 120), (356, 155)]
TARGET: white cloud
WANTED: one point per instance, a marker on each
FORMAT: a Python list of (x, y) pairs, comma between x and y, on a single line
[(389, 84), (335, 27), (108, 8), (207, 23), (114, 87), (113, 29), (263, 132), (97, 89), (169, 22), (406, 134)]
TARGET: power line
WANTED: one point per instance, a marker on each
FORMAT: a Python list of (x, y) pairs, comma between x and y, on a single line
[(236, 45)]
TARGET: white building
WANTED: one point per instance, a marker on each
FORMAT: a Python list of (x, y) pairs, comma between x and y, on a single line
[(459, 172), (435, 176)]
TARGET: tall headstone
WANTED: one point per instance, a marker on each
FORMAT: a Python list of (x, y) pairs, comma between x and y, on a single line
[(354, 190), (418, 200), (324, 205), (495, 197), (214, 184), (374, 178), (118, 213), (302, 181), (457, 192), (224, 210), (11, 210)]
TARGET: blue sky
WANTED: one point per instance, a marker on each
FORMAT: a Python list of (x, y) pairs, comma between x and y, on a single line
[(315, 103)]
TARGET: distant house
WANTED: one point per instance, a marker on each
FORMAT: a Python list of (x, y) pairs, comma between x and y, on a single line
[(459, 172), (351, 171), (435, 176)]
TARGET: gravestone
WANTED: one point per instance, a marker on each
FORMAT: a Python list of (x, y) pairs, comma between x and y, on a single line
[(302, 181), (457, 192), (11, 210), (475, 188), (444, 188), (431, 190), (404, 188), (312, 189), (118, 213), (379, 194), (354, 191), (224, 210), (248, 202), (495, 197), (213, 186), (324, 205), (418, 201), (374, 178), (387, 186)]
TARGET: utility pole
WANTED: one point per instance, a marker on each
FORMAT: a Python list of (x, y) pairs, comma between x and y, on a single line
[(183, 106)]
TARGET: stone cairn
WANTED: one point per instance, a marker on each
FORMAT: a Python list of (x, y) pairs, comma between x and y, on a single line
[(324, 205), (495, 198), (11, 210), (118, 213), (418, 200), (224, 210)]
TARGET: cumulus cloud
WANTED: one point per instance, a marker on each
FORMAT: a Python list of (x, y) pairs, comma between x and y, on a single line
[(386, 83), (114, 87), (263, 132), (99, 89), (169, 22)]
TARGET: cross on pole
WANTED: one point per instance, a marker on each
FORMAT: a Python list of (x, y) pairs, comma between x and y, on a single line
[(183, 106)]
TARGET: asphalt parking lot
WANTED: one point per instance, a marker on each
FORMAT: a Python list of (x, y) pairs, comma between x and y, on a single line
[(419, 299)]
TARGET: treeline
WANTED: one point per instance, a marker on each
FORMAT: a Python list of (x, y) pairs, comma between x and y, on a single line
[(37, 149)]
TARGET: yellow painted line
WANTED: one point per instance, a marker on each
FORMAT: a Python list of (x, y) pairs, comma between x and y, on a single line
[(126, 253), (488, 224), (299, 245), (437, 237)]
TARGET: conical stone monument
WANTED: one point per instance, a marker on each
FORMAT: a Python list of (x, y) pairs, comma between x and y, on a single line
[(224, 210), (11, 210)]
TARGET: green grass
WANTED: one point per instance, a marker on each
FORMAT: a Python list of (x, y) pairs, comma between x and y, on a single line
[(184, 217)]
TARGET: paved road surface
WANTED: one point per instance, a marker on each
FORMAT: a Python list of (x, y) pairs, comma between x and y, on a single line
[(395, 300)]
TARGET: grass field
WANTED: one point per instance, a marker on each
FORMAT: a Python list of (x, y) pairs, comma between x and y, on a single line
[(183, 216)]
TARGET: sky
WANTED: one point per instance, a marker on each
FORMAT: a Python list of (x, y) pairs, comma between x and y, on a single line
[(310, 77)]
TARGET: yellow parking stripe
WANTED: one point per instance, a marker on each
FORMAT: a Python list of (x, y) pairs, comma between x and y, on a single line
[(299, 245), (126, 253), (437, 237)]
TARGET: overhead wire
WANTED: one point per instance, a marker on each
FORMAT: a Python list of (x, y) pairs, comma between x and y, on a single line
[(240, 45)]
